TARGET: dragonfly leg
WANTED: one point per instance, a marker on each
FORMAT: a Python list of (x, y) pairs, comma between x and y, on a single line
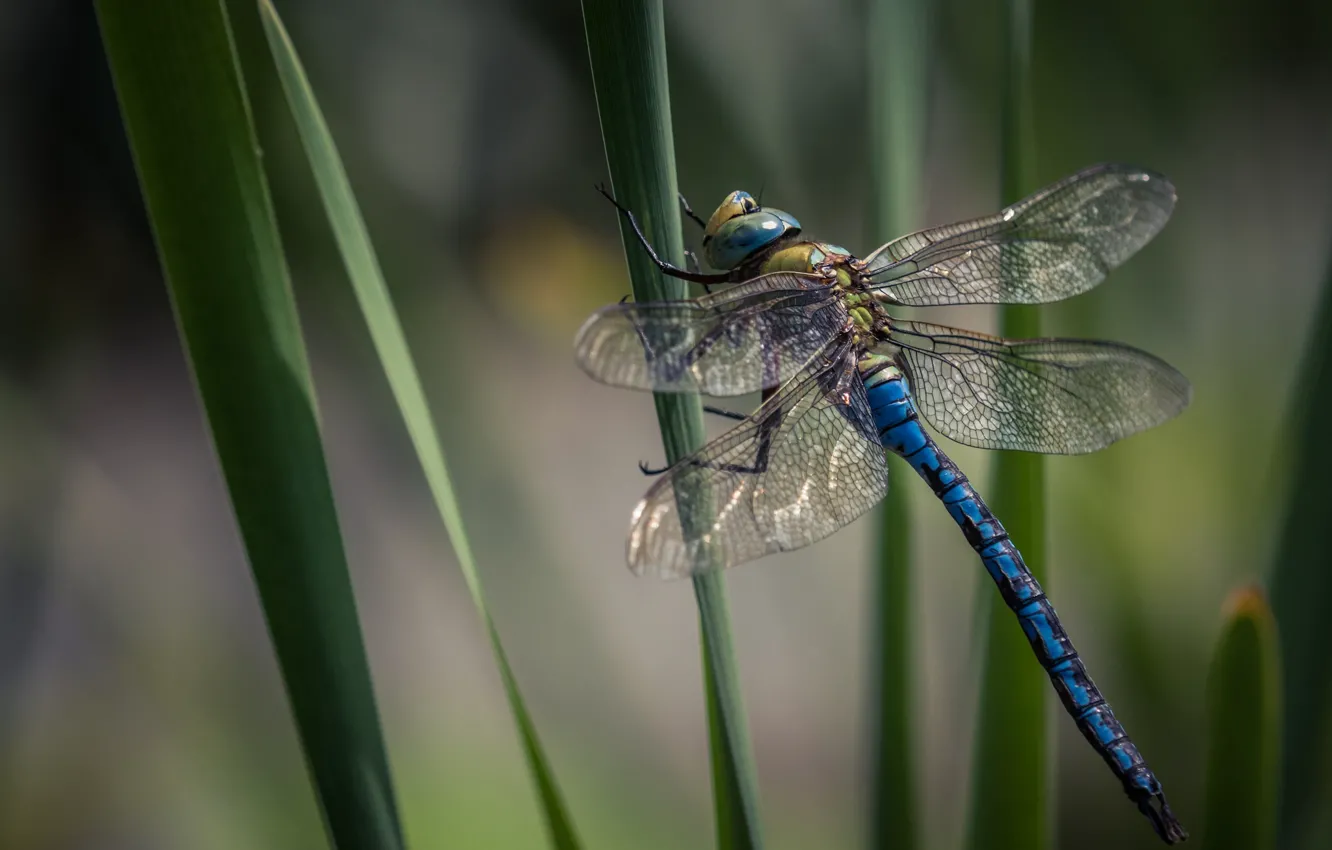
[(767, 427), (729, 414), (689, 211), (756, 469), (691, 264), (715, 411), (665, 267), (691, 259)]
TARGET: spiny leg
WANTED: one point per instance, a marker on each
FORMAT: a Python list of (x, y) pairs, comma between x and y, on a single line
[(689, 211), (691, 259), (691, 264), (707, 408), (760, 461), (665, 267)]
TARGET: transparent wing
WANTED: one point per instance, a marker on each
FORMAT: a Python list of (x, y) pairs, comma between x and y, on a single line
[(1057, 396), (805, 464), (1059, 242), (755, 335)]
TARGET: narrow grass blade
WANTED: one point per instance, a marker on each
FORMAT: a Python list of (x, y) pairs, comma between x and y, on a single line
[(627, 45), (386, 331), (1243, 734), (893, 796), (1301, 590), (1011, 791), (898, 50), (189, 127)]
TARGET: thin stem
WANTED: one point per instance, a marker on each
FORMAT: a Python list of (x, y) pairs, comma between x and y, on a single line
[(898, 50), (627, 45), (1012, 804)]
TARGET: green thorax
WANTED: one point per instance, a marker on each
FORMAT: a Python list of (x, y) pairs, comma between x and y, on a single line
[(808, 258), (832, 261)]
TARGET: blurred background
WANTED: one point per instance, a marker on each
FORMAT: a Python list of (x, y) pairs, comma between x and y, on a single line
[(140, 704)]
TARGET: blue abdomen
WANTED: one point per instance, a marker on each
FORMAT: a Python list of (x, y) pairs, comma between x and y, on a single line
[(901, 433)]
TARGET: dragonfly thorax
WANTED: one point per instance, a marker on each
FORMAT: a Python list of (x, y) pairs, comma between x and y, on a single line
[(740, 229), (869, 319)]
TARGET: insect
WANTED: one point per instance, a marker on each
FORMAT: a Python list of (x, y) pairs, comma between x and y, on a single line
[(809, 324)]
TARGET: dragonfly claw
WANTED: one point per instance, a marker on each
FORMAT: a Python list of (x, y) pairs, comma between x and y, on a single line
[(649, 470), (606, 193), (1163, 820), (729, 414)]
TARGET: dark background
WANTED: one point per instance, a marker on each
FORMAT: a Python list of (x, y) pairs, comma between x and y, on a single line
[(140, 706)]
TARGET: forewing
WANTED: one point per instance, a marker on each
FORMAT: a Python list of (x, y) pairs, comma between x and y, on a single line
[(1057, 396), (1059, 242), (754, 335), (805, 464)]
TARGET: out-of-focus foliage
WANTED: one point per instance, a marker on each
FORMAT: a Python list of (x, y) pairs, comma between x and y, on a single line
[(1302, 599), (1011, 794), (188, 123), (1244, 722), (899, 39), (386, 329)]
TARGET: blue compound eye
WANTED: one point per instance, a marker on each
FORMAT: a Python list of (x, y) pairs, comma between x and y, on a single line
[(739, 238)]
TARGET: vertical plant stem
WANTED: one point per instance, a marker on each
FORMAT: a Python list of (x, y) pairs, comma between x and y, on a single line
[(1302, 600), (898, 47), (367, 279), (190, 130), (1243, 734), (1011, 795), (893, 799), (627, 45)]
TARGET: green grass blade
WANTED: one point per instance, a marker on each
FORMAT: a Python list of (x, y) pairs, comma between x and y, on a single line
[(386, 331), (899, 45), (190, 130), (1011, 790), (1301, 588), (1243, 735), (892, 810), (627, 46)]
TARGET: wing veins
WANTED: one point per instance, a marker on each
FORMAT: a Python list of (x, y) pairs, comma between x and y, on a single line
[(1051, 395), (1061, 240), (772, 323), (806, 463), (1007, 356)]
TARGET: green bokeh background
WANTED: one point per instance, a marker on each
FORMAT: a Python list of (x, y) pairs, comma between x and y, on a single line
[(140, 704)]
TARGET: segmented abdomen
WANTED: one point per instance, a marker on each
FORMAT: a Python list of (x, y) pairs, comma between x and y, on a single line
[(901, 433)]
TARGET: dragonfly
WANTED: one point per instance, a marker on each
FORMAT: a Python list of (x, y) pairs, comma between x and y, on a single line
[(811, 326)]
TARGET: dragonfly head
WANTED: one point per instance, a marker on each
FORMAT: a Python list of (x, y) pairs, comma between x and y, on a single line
[(740, 228)]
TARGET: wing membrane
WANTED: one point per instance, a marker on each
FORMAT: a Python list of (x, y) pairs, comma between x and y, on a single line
[(1057, 396), (755, 335), (805, 464), (1059, 242)]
